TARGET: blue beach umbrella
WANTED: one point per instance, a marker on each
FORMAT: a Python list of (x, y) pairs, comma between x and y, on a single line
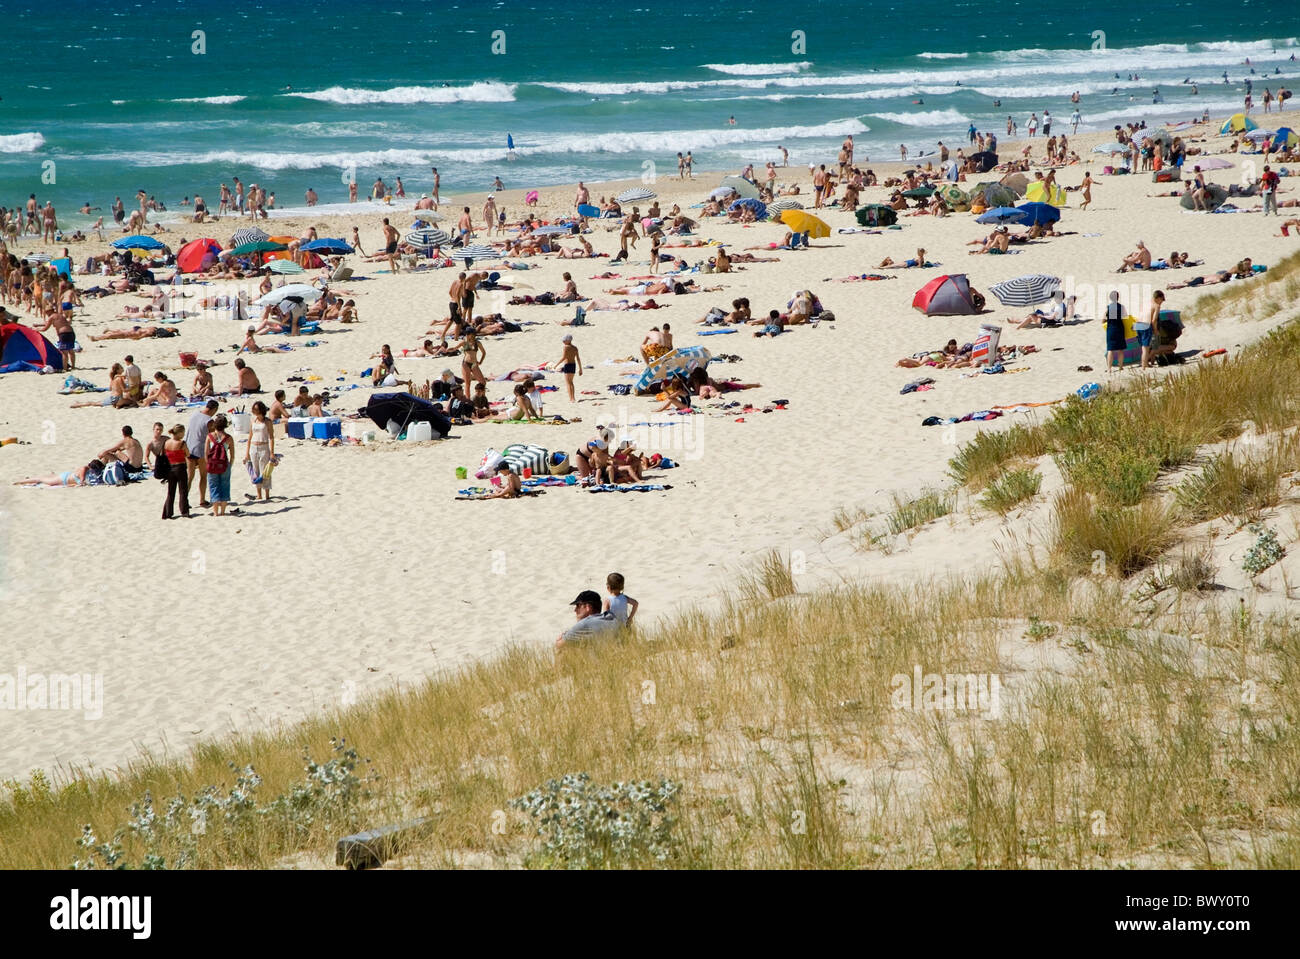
[(1036, 213), (138, 242), (759, 208), (1002, 214), (328, 245)]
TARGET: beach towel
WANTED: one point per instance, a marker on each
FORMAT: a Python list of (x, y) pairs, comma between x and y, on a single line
[(633, 488), (715, 332)]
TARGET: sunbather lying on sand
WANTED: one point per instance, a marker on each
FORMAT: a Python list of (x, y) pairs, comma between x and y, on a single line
[(138, 333), (996, 242), (919, 261), (950, 357)]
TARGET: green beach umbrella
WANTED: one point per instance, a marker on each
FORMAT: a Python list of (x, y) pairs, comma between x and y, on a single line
[(284, 266)]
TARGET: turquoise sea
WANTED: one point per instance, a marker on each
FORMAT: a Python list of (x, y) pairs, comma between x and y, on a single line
[(292, 95)]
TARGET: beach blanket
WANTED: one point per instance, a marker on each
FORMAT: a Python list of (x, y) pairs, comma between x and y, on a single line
[(634, 488), (715, 332), (74, 384)]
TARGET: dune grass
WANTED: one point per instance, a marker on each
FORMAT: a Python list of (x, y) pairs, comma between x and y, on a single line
[(777, 725), (1260, 298), (913, 512), (1011, 489)]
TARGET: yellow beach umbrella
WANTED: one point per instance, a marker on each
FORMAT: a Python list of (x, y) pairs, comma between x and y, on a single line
[(801, 221), (1037, 192)]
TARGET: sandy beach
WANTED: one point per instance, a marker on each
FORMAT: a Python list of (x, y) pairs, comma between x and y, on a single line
[(366, 573)]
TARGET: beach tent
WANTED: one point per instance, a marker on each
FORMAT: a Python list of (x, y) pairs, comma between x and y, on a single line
[(758, 206), (22, 348), (1038, 192), (877, 214), (1284, 137), (1237, 123), (679, 362), (63, 266), (946, 296), (984, 161), (404, 408), (1217, 196), (197, 255)]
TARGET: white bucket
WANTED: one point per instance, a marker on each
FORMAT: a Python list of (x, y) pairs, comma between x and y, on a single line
[(419, 432), (242, 422), (394, 429)]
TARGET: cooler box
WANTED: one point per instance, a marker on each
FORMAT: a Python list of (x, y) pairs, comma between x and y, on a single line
[(189, 360), (241, 422), (419, 432), (298, 428), (326, 428), (985, 349)]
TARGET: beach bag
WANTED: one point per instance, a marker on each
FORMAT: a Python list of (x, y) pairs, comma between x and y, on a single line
[(488, 466), (218, 459), (114, 474), (161, 467)]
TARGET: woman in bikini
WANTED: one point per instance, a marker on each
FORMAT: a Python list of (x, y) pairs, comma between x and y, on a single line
[(473, 353), (116, 389)]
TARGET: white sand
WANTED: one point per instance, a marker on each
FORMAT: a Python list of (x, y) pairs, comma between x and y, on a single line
[(368, 573)]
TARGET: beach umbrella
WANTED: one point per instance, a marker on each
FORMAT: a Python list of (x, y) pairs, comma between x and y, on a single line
[(677, 363), (1026, 290), (984, 161), (1016, 182), (920, 192), (328, 246), (139, 241), (742, 186), (261, 246), (405, 409), (1036, 213), (994, 194), (954, 195), (1259, 134), (284, 266), (475, 251), (784, 203), (293, 291), (1160, 136), (249, 234), (553, 229), (428, 238), (1237, 123), (586, 209), (1002, 214), (1214, 163), (1113, 147), (801, 221), (758, 206), (635, 195), (720, 192), (197, 255), (1285, 136), (1039, 192), (428, 216), (37, 258)]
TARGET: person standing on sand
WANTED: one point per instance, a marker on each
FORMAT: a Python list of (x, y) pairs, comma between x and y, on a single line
[(50, 223), (785, 156), (472, 355), (356, 241), (1145, 326), (465, 225), (196, 441), (819, 185), (68, 339), (489, 213), (390, 245), (1115, 339), (259, 451), (690, 162), (569, 363), (583, 196), (1075, 120), (219, 453), (437, 184), (174, 452)]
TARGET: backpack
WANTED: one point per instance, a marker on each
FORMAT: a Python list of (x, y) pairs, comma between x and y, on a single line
[(114, 474), (218, 458)]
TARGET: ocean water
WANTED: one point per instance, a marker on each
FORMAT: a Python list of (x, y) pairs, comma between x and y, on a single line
[(107, 99)]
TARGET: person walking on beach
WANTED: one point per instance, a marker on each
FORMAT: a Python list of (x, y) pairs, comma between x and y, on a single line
[(690, 162), (1047, 122), (356, 241), (437, 184), (68, 339), (569, 363), (1086, 187), (1075, 120), (196, 441), (175, 473), (1268, 183), (1032, 125), (489, 213), (219, 454), (259, 451), (681, 166)]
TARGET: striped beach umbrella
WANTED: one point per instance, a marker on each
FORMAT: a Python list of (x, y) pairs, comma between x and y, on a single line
[(1026, 290), (249, 234), (284, 266), (429, 237), (784, 203), (759, 208), (475, 251), (636, 194)]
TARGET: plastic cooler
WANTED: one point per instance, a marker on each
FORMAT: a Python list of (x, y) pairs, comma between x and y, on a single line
[(241, 422), (298, 428), (985, 349), (326, 428)]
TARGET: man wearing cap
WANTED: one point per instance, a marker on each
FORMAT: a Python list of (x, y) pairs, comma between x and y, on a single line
[(591, 622), (196, 438)]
